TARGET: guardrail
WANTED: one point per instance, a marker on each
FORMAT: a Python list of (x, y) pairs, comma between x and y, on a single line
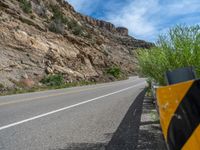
[(179, 110)]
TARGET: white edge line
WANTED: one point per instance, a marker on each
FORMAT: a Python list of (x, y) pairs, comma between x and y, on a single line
[(65, 108)]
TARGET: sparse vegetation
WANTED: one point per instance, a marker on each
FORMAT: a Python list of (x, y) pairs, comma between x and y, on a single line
[(26, 6), (58, 20), (114, 71), (75, 27), (179, 48), (57, 14)]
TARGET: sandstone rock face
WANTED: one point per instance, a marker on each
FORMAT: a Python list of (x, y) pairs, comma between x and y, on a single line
[(29, 51), (122, 31), (105, 25)]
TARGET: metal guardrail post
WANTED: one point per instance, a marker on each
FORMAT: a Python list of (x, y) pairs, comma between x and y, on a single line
[(180, 75)]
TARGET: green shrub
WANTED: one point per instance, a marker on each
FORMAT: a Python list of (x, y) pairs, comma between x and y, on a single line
[(114, 71), (77, 30), (26, 6), (56, 26), (179, 48), (53, 80)]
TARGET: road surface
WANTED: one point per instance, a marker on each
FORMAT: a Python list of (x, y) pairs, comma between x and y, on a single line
[(83, 118)]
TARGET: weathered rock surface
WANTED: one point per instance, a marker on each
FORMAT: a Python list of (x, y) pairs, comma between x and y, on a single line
[(27, 47)]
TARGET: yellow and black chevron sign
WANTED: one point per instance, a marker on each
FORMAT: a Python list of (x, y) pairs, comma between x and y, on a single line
[(179, 108)]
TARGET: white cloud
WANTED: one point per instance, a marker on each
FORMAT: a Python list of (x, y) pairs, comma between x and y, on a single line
[(86, 6), (137, 16), (144, 18), (148, 18), (183, 7)]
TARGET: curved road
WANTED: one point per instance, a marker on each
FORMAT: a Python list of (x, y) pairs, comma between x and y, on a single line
[(83, 118)]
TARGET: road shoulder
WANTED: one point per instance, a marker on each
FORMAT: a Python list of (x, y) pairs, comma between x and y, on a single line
[(150, 134)]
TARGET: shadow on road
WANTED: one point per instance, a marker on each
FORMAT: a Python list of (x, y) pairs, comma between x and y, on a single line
[(125, 137)]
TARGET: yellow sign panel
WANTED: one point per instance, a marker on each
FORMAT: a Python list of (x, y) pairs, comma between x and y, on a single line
[(179, 108)]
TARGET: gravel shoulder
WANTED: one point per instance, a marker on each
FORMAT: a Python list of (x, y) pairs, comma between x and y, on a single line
[(150, 134)]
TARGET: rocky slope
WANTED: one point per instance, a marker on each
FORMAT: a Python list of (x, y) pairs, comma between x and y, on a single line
[(40, 37)]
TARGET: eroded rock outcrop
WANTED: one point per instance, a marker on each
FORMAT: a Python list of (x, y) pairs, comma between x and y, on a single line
[(84, 50), (122, 31), (105, 25)]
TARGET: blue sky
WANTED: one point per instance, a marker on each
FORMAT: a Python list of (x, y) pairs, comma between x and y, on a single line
[(145, 19)]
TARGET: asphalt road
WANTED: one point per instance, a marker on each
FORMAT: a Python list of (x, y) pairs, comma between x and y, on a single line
[(83, 118)]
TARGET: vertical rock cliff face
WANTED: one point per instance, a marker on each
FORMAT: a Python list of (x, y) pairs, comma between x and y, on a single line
[(122, 31), (43, 37)]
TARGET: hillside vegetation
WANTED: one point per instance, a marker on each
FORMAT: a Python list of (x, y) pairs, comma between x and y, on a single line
[(180, 47)]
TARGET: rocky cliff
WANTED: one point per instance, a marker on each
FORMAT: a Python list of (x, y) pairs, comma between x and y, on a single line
[(40, 37), (105, 25)]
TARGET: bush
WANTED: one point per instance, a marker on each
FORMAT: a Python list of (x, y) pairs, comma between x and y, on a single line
[(77, 30), (179, 48), (56, 26), (114, 71), (26, 6), (53, 80)]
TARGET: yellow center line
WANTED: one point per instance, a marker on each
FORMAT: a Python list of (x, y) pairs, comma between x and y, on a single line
[(40, 97), (52, 95)]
